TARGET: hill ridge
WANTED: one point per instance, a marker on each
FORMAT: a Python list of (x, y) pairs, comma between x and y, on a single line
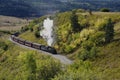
[(22, 8)]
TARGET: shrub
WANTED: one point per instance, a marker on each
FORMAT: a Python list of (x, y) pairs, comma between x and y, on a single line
[(29, 65), (87, 45), (80, 70), (3, 46), (83, 54), (5, 32), (68, 48), (107, 26), (88, 51), (37, 34), (31, 29), (100, 24), (104, 10), (23, 29), (93, 52), (36, 66), (85, 33), (98, 38), (47, 69)]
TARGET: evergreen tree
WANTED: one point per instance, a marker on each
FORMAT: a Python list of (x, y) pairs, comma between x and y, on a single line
[(109, 31), (104, 10), (37, 34), (74, 22), (90, 12)]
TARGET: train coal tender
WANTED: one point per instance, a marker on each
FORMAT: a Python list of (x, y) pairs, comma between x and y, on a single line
[(49, 49)]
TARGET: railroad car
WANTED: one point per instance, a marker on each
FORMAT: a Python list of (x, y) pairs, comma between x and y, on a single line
[(27, 43), (36, 46), (21, 41), (33, 45)]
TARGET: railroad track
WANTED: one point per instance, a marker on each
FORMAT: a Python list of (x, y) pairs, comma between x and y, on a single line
[(61, 58)]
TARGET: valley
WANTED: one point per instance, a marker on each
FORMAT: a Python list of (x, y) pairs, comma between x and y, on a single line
[(82, 36), (37, 8)]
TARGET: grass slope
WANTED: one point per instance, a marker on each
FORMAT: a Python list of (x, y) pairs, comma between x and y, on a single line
[(105, 66), (19, 63), (30, 36), (108, 59)]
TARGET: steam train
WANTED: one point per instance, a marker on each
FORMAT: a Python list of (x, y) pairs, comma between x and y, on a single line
[(33, 45)]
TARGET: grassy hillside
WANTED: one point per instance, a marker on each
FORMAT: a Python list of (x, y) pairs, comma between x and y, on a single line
[(26, 64), (94, 59), (107, 59), (67, 40), (101, 60), (29, 35), (18, 63)]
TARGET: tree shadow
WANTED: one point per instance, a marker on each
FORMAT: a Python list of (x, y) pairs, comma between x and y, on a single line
[(116, 40)]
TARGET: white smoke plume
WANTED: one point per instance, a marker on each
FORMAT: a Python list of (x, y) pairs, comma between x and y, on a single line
[(47, 32)]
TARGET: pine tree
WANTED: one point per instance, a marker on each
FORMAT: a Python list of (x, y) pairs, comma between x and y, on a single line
[(109, 31), (74, 22)]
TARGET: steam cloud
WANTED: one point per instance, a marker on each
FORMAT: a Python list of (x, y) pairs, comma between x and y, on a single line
[(47, 32)]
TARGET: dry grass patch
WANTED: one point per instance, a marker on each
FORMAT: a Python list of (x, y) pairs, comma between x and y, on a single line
[(11, 23)]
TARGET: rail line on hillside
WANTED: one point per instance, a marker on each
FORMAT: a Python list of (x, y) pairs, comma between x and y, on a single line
[(61, 58)]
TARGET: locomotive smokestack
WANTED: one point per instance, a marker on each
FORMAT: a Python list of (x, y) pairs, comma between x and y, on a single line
[(47, 32)]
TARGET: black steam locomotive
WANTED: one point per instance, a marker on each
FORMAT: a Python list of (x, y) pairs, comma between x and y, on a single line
[(33, 45)]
